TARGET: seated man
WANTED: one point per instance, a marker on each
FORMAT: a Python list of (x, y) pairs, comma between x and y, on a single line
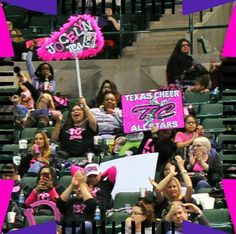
[(178, 213), (80, 207), (11, 173)]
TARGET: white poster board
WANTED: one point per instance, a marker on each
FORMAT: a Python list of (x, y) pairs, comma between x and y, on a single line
[(133, 172)]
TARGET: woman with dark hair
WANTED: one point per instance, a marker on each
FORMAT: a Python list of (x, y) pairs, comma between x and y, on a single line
[(141, 214), (43, 76), (108, 116), (184, 139), (47, 187), (106, 86), (76, 135), (179, 61)]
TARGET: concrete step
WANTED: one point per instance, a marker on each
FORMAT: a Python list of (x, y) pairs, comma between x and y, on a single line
[(153, 41), (160, 35), (150, 47), (148, 52)]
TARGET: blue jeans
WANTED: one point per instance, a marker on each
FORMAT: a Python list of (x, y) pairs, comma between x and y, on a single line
[(21, 110), (202, 184)]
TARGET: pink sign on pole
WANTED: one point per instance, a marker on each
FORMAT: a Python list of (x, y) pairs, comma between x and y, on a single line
[(142, 111)]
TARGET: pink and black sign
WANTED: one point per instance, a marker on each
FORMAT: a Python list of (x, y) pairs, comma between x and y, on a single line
[(142, 111), (80, 37)]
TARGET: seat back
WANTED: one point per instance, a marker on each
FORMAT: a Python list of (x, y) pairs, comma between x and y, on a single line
[(196, 98), (123, 199), (65, 180), (211, 109), (30, 181), (28, 134), (219, 218)]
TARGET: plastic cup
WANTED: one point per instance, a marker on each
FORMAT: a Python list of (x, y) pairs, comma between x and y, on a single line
[(11, 216), (143, 192), (22, 144), (90, 157), (97, 140)]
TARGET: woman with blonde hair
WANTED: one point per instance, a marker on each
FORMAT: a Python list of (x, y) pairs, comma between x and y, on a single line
[(206, 170), (39, 117), (38, 156), (169, 189)]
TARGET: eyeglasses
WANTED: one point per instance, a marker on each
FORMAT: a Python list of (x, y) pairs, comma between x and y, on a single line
[(136, 213), (197, 146), (76, 109), (190, 122), (45, 174), (183, 45)]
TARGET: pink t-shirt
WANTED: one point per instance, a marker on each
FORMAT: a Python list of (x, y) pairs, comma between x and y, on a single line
[(183, 137), (197, 167)]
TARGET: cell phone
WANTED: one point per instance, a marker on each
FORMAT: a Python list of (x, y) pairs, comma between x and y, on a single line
[(45, 175)]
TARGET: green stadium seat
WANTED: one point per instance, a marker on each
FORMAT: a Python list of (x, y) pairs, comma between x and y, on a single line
[(13, 148), (65, 180), (30, 181), (215, 126), (196, 98), (219, 219), (210, 111)]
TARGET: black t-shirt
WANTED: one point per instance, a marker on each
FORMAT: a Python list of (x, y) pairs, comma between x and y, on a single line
[(76, 210), (18, 187), (106, 187), (165, 148), (76, 141)]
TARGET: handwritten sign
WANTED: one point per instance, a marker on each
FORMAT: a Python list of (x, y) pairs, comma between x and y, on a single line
[(80, 37), (142, 111)]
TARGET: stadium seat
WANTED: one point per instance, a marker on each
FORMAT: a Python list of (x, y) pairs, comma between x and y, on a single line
[(215, 126), (227, 141), (210, 111), (30, 181), (65, 180), (219, 219), (11, 148), (196, 98), (28, 134)]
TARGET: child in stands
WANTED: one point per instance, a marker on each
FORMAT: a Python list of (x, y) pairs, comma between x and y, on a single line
[(201, 84)]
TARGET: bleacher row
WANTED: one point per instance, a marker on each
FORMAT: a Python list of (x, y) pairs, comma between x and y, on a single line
[(134, 17)]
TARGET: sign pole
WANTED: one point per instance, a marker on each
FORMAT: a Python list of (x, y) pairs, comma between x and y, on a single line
[(78, 76)]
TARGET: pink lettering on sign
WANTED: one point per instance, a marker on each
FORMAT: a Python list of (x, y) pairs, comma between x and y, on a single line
[(142, 111), (80, 37)]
